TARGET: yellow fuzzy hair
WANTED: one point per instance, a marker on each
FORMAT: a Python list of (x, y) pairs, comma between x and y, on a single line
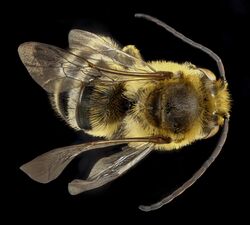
[(134, 128), (223, 100)]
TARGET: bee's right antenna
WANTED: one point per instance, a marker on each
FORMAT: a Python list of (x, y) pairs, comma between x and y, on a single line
[(187, 40), (224, 132)]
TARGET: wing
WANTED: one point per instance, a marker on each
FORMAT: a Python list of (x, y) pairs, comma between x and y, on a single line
[(109, 168), (89, 57), (88, 44), (50, 165), (50, 66)]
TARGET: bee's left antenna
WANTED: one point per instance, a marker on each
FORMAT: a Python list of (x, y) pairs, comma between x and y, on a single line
[(187, 40)]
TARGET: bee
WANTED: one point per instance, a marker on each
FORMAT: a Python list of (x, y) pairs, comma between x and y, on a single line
[(110, 92)]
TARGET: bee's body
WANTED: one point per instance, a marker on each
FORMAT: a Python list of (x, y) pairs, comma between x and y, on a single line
[(177, 107), (111, 92)]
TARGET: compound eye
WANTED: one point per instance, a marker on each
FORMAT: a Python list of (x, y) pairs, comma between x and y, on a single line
[(210, 75)]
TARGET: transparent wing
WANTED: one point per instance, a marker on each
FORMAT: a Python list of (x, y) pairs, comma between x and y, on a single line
[(50, 165), (110, 168), (90, 45), (52, 67), (89, 57)]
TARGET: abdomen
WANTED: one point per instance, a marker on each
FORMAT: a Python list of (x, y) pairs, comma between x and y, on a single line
[(101, 109)]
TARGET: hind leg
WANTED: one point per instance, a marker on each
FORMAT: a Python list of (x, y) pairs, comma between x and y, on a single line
[(133, 51)]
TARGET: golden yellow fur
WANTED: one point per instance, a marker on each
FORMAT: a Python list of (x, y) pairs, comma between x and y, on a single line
[(140, 127), (223, 100), (135, 122), (135, 129)]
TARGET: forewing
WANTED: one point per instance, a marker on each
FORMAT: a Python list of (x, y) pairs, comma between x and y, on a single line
[(91, 45), (110, 168), (56, 69), (50, 165), (51, 66)]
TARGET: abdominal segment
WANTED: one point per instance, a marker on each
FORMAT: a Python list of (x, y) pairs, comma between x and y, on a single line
[(101, 109)]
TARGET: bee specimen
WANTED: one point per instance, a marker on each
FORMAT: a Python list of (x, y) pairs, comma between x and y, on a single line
[(112, 93)]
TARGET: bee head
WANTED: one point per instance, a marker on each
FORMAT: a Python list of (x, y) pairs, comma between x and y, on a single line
[(216, 103)]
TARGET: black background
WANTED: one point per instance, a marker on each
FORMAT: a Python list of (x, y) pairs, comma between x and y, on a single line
[(34, 128)]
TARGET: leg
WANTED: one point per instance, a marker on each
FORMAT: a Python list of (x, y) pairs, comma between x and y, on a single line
[(132, 50)]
